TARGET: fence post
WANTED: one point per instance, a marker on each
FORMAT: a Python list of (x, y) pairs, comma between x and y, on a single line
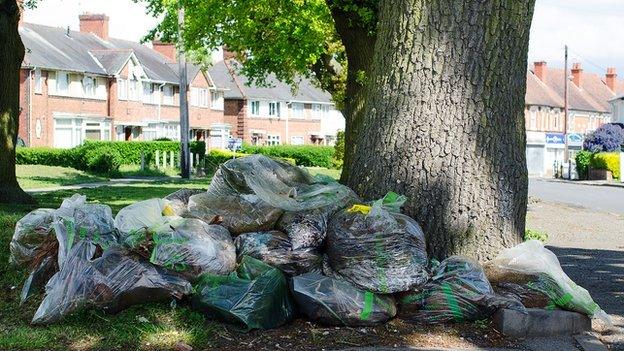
[(157, 159), (142, 160), (164, 159), (172, 159)]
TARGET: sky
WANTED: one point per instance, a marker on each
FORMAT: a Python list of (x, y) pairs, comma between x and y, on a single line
[(593, 29)]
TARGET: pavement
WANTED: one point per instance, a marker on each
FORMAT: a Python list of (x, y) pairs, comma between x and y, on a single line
[(112, 182)]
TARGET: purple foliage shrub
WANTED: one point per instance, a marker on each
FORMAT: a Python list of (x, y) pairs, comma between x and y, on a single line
[(608, 137)]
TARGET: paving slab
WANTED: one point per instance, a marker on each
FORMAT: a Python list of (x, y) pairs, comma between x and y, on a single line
[(538, 322)]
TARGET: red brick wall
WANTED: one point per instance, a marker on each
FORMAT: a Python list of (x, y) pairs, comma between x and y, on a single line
[(23, 116)]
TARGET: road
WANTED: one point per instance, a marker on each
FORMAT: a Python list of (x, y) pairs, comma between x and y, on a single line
[(598, 198)]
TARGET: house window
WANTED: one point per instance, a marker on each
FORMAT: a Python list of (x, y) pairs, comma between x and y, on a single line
[(62, 83), (122, 89), (133, 90), (216, 100), (274, 109), (168, 95), (150, 132), (533, 118), (255, 108), (317, 110), (70, 132), (88, 86), (297, 140), (297, 110), (199, 97), (38, 82), (148, 93), (273, 140)]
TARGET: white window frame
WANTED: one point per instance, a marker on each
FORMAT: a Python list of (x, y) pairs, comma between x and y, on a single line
[(251, 108), (62, 89), (122, 89), (168, 93), (148, 93), (92, 91), (273, 139), (298, 110), (298, 138), (217, 101), (38, 82), (274, 109)]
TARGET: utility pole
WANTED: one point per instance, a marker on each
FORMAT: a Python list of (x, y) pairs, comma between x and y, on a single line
[(565, 110), (184, 112)]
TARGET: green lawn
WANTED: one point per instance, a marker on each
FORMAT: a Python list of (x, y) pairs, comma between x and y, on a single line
[(37, 176), (334, 173), (94, 329)]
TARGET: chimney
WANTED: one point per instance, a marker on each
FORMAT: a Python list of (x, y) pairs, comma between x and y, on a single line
[(577, 73), (166, 49), (227, 54), (94, 23), (610, 78), (539, 68), (20, 5)]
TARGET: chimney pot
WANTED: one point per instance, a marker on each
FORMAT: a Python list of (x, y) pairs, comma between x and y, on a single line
[(577, 73), (94, 23), (166, 49), (610, 79), (539, 68)]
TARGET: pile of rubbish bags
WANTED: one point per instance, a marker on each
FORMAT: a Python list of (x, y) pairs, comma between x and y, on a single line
[(267, 242)]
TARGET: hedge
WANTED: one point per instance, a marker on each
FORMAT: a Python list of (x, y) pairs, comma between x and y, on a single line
[(216, 157), (102, 157), (607, 160), (304, 155)]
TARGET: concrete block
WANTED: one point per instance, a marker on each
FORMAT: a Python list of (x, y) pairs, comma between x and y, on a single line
[(538, 322)]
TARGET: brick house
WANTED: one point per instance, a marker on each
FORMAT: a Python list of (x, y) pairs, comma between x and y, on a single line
[(81, 85), (84, 85), (275, 114), (588, 108)]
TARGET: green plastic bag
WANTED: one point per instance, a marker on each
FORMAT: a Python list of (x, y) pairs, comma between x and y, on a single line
[(256, 296)]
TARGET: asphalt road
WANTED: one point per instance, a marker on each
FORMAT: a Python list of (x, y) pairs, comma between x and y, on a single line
[(598, 198)]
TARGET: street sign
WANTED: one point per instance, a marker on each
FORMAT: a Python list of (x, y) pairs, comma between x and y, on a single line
[(235, 144)]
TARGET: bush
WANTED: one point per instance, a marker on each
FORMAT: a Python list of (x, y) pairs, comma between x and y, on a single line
[(339, 149), (48, 157), (608, 137), (130, 151), (217, 157), (102, 160), (607, 160), (582, 161), (304, 155), (531, 234)]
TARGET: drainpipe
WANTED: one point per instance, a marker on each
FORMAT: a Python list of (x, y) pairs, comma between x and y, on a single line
[(28, 125)]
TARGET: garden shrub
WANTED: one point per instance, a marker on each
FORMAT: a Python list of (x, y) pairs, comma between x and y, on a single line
[(531, 234), (48, 157), (607, 160), (304, 155), (216, 157), (130, 151), (103, 160), (582, 161), (608, 137)]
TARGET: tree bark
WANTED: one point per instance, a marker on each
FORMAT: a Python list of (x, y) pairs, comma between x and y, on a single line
[(359, 43), (443, 121), (11, 56)]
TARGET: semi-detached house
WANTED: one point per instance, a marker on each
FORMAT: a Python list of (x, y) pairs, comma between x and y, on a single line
[(84, 85)]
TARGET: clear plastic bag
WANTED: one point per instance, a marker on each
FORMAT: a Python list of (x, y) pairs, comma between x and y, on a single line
[(275, 249), (376, 249), (112, 282), (238, 213), (193, 247), (277, 183), (134, 221), (336, 302), (33, 233), (179, 200), (256, 297), (533, 265), (458, 291)]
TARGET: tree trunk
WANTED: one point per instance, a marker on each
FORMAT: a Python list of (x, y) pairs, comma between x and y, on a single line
[(11, 56), (359, 43), (443, 121)]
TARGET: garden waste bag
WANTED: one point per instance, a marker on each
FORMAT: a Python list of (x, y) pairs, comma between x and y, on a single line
[(112, 282), (376, 249), (533, 265), (256, 296), (275, 249), (336, 302), (458, 291)]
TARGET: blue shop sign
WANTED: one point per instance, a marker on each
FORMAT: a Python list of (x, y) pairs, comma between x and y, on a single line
[(575, 139), (555, 138)]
